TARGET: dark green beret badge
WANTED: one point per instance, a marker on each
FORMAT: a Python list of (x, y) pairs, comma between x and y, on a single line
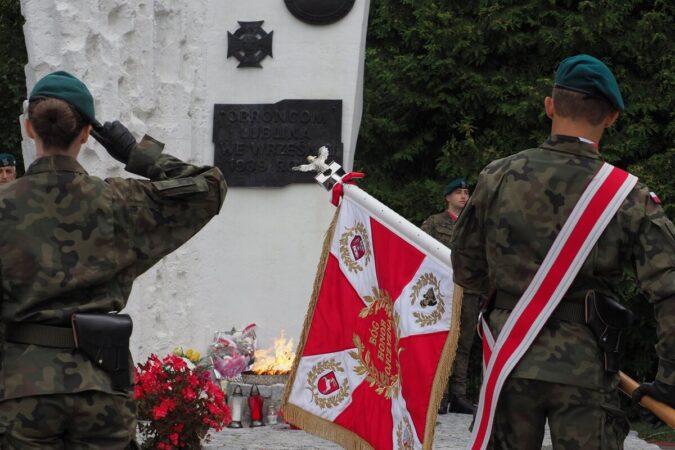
[(589, 75), (66, 87), (7, 160)]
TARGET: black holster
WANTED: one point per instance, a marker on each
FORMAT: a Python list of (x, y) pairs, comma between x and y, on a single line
[(607, 319), (104, 338)]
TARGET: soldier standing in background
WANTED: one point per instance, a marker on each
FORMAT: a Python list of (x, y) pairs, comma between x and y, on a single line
[(504, 233), (71, 246), (7, 168), (440, 226)]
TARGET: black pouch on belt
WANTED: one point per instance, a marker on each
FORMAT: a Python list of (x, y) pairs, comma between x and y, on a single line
[(104, 338), (607, 319)]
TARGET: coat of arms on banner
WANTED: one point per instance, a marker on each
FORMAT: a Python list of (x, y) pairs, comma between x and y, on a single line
[(427, 291), (327, 390), (355, 246), (380, 336)]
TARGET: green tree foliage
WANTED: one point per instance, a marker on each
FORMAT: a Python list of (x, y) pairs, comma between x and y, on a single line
[(451, 85), (12, 77)]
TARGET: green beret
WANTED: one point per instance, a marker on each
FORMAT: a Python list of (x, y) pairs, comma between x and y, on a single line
[(589, 75), (66, 87), (457, 183), (7, 159)]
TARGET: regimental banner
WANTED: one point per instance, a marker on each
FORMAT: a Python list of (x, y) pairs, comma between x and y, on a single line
[(380, 335)]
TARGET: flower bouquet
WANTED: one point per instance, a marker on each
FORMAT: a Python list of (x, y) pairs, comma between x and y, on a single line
[(177, 402), (232, 352)]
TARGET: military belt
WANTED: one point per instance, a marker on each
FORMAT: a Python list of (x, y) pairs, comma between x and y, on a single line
[(38, 334), (568, 310)]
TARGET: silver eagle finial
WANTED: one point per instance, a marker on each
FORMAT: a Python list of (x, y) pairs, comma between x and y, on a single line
[(315, 163)]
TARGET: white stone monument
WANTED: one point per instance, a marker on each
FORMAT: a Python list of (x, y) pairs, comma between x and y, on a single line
[(160, 66)]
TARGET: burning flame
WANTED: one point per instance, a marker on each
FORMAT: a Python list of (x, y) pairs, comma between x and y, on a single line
[(277, 360)]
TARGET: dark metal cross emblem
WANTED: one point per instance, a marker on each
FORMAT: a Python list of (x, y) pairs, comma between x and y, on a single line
[(250, 44)]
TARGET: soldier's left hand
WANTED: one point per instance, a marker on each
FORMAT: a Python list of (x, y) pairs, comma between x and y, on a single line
[(665, 393), (662, 392)]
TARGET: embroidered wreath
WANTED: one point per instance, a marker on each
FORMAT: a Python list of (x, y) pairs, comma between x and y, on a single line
[(345, 255), (423, 319), (379, 300), (387, 385), (333, 400), (404, 444)]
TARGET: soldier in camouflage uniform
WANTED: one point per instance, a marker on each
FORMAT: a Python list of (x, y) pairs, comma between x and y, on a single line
[(507, 228), (7, 168), (70, 243), (440, 226)]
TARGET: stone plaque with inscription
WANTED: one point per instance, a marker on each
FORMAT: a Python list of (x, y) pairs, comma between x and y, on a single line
[(258, 144)]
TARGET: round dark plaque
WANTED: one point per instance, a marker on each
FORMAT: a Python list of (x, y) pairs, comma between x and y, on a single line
[(319, 12)]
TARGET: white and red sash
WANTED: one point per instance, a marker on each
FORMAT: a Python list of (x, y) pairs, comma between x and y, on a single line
[(589, 218)]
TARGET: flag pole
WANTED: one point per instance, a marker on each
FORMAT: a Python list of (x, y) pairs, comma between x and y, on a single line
[(398, 224), (627, 385)]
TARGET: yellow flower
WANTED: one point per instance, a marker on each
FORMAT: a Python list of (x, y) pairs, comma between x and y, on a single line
[(193, 355)]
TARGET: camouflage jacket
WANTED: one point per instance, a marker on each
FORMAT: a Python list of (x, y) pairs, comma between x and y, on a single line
[(508, 226), (439, 226), (71, 242)]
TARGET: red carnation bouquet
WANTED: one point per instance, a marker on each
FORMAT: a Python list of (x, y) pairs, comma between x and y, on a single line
[(178, 403)]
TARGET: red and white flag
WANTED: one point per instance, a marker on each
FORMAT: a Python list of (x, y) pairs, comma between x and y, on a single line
[(380, 334)]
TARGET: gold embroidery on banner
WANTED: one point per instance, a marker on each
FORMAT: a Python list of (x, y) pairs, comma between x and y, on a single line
[(380, 336), (431, 297), (379, 300), (404, 436), (358, 230), (330, 401)]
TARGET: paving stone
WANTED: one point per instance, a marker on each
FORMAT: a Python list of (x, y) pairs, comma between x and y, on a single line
[(452, 433)]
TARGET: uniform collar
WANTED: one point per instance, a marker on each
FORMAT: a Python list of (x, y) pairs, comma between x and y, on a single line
[(453, 216), (573, 145), (55, 163)]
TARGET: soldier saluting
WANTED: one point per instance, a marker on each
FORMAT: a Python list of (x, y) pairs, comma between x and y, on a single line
[(71, 246), (521, 205)]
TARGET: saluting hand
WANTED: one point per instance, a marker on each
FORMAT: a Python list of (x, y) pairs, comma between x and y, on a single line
[(116, 139)]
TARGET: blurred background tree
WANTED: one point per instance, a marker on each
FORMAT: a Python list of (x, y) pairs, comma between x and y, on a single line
[(450, 86), (12, 78)]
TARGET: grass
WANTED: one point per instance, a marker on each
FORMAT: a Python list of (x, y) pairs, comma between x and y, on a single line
[(651, 433)]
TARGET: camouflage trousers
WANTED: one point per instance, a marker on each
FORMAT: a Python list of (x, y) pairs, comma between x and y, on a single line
[(86, 420), (467, 331), (578, 418)]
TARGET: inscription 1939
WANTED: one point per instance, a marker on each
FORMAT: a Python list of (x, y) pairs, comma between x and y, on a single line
[(258, 144)]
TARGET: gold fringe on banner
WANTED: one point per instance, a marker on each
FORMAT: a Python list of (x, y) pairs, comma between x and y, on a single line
[(318, 279), (324, 428), (328, 430), (444, 369), (293, 414)]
